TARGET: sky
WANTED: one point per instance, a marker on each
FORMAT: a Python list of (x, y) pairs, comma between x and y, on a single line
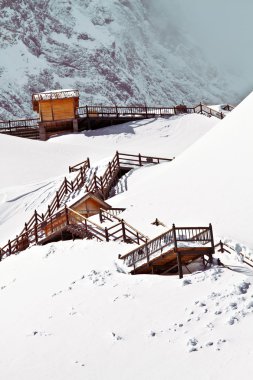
[(222, 28)]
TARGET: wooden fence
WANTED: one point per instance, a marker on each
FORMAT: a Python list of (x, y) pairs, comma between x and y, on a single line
[(143, 111), (32, 232), (168, 240)]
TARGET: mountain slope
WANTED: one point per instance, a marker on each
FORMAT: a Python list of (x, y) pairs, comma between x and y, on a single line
[(111, 50)]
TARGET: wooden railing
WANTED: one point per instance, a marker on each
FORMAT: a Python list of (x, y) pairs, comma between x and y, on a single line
[(98, 185), (73, 222), (103, 185), (66, 188), (110, 214), (168, 240), (29, 127), (143, 111), (26, 128)]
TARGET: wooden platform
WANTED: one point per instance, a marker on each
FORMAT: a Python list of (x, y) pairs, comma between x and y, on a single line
[(171, 251), (168, 261)]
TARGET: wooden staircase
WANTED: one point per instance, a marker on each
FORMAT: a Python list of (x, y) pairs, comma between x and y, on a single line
[(172, 250), (55, 223)]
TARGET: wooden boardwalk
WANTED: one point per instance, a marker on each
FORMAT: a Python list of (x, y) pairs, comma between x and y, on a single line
[(94, 117)]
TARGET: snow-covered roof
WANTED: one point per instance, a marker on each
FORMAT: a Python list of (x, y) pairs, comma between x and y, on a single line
[(53, 94), (56, 94)]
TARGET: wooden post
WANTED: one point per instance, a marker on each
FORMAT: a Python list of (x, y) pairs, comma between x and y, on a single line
[(36, 217), (146, 249), (87, 111), (57, 200), (110, 168), (36, 233), (174, 236), (88, 162), (9, 245), (117, 158), (117, 114), (201, 108), (100, 216), (66, 185), (106, 234), (212, 242), (123, 230), (139, 156), (49, 210)]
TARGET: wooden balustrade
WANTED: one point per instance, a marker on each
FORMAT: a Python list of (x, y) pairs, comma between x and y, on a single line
[(168, 240)]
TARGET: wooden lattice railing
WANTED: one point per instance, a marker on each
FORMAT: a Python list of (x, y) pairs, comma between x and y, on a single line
[(167, 241)]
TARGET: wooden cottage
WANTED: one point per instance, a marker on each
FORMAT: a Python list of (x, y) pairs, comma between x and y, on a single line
[(89, 205), (56, 105), (57, 112)]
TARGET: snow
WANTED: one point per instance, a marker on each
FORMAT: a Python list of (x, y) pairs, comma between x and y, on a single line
[(56, 94), (70, 310)]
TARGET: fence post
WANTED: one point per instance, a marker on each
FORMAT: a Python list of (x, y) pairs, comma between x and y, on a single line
[(87, 111), (9, 244), (212, 242), (117, 158), (88, 162), (174, 236), (36, 217), (66, 185), (123, 230), (49, 210), (36, 233), (100, 216), (57, 200), (146, 248), (139, 156), (201, 108), (106, 234)]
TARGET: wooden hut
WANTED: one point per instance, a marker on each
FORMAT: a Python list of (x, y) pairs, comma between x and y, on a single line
[(56, 105), (57, 111), (89, 205)]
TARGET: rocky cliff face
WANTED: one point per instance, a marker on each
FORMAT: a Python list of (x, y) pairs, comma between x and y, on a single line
[(111, 50)]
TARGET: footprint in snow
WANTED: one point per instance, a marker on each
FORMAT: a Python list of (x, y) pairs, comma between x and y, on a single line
[(116, 336)]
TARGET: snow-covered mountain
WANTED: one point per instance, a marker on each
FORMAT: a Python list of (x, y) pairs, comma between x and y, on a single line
[(111, 50)]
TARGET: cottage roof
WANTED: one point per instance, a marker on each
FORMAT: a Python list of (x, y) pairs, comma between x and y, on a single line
[(52, 95)]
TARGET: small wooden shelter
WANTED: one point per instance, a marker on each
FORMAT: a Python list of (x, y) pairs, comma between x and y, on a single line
[(89, 205), (56, 105), (86, 206)]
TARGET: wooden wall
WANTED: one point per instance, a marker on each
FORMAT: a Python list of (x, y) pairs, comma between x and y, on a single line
[(58, 109)]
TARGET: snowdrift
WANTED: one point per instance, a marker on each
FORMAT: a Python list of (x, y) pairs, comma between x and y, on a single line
[(209, 182)]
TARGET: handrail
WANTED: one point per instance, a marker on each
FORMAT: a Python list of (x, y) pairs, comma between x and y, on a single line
[(86, 219), (170, 237)]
